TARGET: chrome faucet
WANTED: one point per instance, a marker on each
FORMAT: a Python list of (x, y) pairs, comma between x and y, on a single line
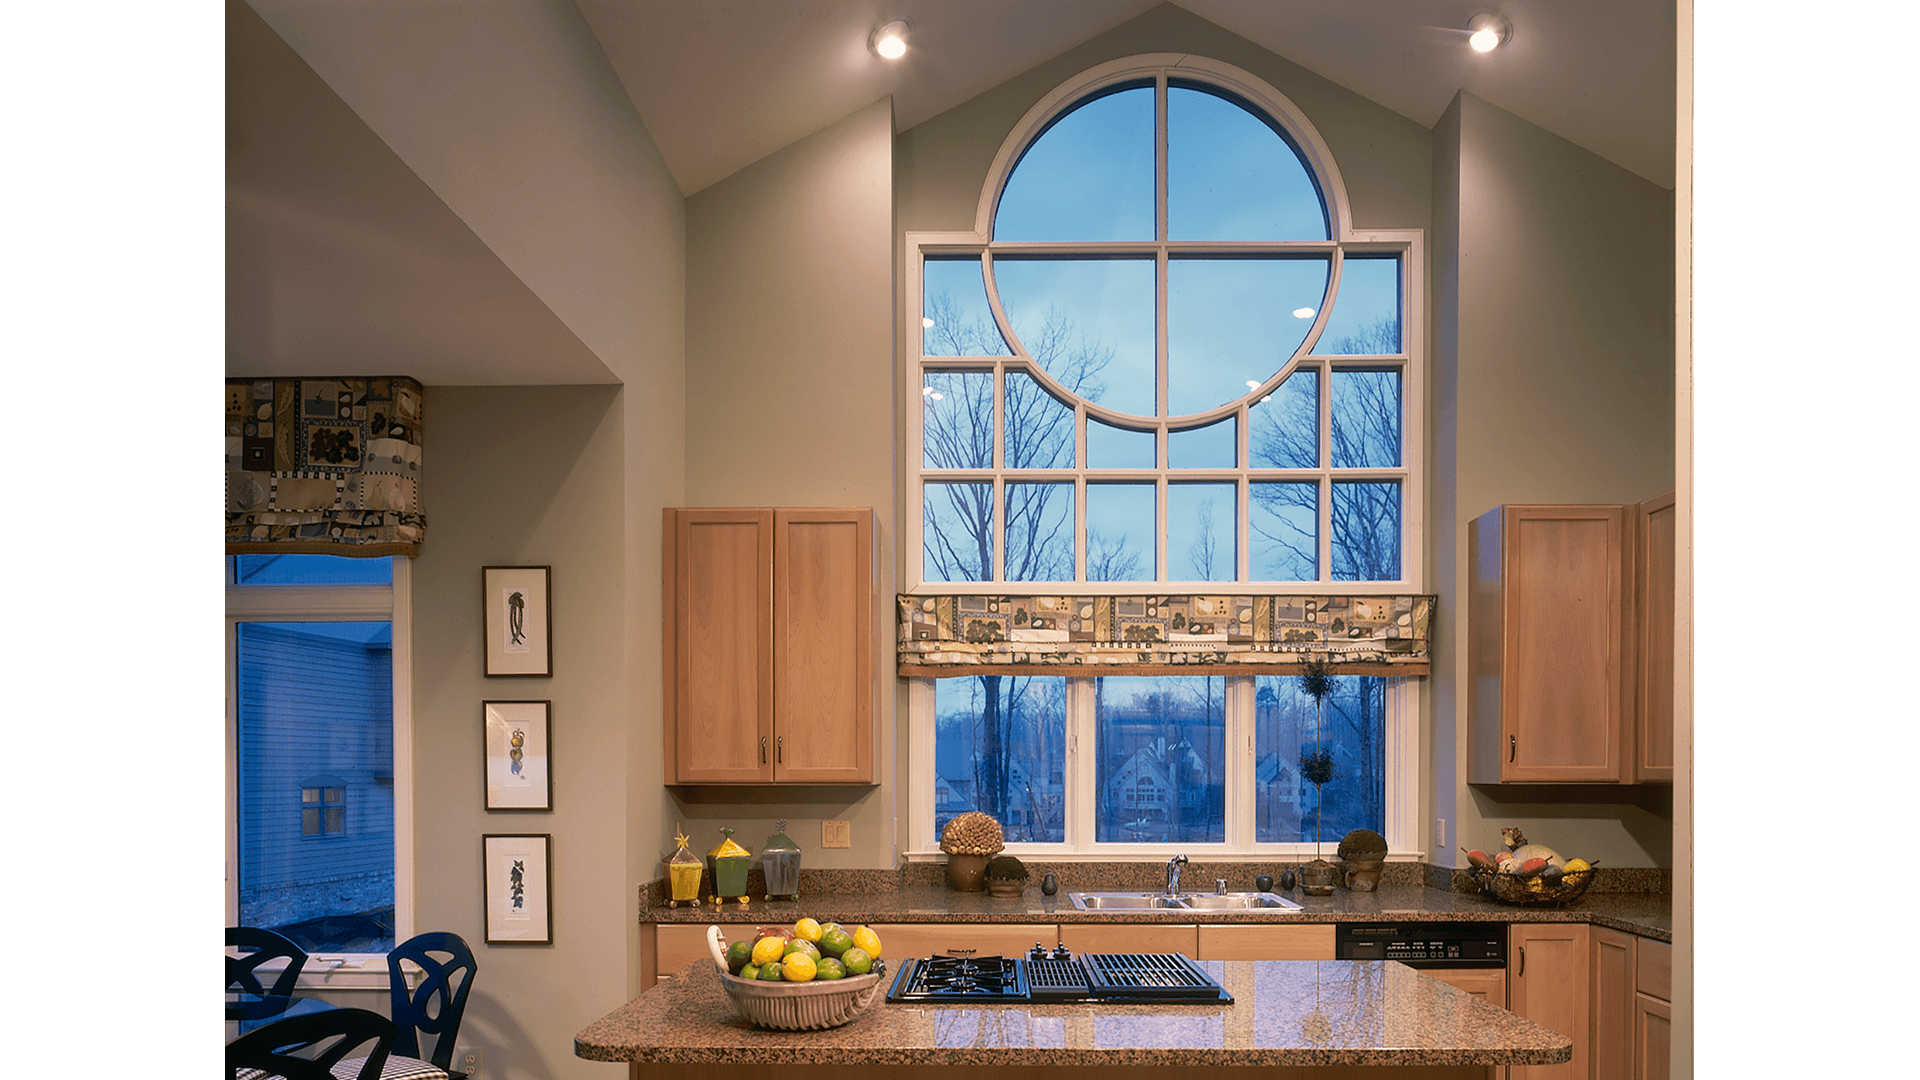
[(1173, 874)]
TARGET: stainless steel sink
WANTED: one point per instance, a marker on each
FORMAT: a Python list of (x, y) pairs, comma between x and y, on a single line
[(1145, 901), (1123, 901)]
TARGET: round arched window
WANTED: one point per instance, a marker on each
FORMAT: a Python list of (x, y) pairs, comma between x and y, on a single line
[(1166, 356)]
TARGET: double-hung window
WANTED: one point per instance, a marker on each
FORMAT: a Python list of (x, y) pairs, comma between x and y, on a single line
[(1163, 365), (318, 831)]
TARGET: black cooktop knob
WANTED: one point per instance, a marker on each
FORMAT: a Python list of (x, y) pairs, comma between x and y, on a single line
[(1061, 952), (1038, 952)]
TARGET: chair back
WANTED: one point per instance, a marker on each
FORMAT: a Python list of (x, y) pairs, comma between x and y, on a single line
[(433, 1010), (308, 1047), (243, 976)]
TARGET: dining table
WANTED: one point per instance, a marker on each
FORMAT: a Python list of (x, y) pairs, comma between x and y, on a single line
[(245, 1012)]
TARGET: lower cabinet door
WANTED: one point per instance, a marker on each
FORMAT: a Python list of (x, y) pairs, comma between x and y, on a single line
[(1612, 960), (1652, 1038), (1547, 984)]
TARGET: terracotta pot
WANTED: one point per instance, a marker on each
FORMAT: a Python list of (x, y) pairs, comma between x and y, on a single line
[(1363, 875), (1317, 878), (966, 872), (1007, 888)]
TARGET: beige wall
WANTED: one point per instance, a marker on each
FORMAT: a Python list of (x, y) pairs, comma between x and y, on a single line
[(789, 402), (1555, 269), (526, 476)]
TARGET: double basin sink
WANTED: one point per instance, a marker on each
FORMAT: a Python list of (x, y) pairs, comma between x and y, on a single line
[(1147, 901)]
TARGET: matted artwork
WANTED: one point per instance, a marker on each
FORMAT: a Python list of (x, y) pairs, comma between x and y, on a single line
[(517, 739), (518, 888), (519, 619)]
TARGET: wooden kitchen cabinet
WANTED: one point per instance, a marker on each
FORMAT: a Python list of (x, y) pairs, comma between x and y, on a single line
[(768, 630), (1632, 1014), (1549, 610), (1656, 555), (1246, 941), (1085, 938), (1547, 983), (901, 940), (1487, 984)]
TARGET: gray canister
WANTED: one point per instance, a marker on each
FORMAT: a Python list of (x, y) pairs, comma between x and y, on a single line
[(780, 862)]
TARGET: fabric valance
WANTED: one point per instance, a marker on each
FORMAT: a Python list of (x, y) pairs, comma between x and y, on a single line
[(948, 636), (324, 466)]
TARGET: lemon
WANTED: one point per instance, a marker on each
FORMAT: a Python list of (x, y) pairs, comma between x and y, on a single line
[(768, 950), (865, 939), (799, 967), (807, 930)]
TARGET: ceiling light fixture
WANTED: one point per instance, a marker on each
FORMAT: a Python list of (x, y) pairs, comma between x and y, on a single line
[(1303, 313), (890, 41), (1488, 31)]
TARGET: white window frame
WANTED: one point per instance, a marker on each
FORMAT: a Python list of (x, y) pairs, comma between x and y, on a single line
[(1403, 753), (335, 603)]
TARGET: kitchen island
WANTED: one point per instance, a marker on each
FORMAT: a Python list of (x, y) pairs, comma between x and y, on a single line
[(1303, 1019)]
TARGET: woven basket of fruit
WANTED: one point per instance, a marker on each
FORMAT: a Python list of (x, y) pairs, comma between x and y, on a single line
[(1529, 875), (810, 1005)]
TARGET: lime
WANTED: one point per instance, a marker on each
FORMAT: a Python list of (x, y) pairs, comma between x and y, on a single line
[(802, 945), (799, 967), (829, 969), (834, 941), (868, 940), (738, 954), (769, 949), (751, 971), (807, 930), (857, 961), (772, 973)]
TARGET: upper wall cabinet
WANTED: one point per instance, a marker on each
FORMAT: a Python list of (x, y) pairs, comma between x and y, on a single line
[(1569, 639), (1547, 623), (1654, 546), (768, 635)]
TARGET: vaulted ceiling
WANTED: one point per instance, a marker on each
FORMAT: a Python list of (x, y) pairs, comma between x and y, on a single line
[(340, 259)]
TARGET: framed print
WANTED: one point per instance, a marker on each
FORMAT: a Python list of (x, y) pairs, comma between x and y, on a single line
[(517, 739), (519, 885), (519, 619)]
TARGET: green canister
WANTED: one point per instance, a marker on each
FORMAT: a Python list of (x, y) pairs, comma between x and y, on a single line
[(729, 864)]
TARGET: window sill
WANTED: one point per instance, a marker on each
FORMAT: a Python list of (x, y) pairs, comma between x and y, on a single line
[(1145, 853), (344, 971)]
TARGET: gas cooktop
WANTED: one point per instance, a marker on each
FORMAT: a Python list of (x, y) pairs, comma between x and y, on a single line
[(1052, 976)]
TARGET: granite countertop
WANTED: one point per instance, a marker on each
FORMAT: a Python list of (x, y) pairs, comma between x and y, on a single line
[(1284, 1013), (1642, 914)]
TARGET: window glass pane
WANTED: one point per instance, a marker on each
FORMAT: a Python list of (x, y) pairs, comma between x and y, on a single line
[(1284, 427), (1366, 314), (957, 419), (316, 698), (1210, 447), (1120, 532), (1088, 322), (1109, 447), (1234, 320), (1366, 419), (957, 532), (1087, 177), (1161, 766), (1000, 747), (1039, 426), (1352, 724), (310, 570), (1230, 176), (954, 317), (1285, 531), (1366, 530), (1039, 532), (1201, 528)]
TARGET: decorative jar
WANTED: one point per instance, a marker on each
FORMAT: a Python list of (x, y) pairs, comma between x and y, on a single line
[(728, 863), (780, 862)]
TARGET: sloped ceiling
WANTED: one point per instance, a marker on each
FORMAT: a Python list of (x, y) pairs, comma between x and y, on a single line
[(340, 261)]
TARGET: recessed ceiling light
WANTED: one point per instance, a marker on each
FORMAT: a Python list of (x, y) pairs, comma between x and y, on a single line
[(1303, 313), (890, 41), (1252, 385), (1488, 31)]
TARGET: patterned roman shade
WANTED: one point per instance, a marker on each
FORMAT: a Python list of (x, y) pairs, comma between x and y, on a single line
[(324, 466), (946, 636)]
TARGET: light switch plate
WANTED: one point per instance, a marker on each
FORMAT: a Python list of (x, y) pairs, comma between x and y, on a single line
[(836, 834)]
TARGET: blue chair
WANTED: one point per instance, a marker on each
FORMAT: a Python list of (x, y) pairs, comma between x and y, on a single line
[(433, 1010), (310, 1047), (257, 947)]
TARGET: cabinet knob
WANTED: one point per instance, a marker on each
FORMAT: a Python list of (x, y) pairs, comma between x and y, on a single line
[(763, 749)]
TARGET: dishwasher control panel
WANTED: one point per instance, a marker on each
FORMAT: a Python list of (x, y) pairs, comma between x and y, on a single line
[(1423, 944)]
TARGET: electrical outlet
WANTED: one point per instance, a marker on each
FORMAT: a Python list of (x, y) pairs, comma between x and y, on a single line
[(836, 834), (470, 1064)]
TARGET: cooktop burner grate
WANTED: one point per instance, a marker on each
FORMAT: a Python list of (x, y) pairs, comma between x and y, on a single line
[(1128, 978), (1157, 975)]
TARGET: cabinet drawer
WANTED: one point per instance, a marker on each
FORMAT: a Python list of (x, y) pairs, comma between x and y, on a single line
[(1294, 942), (1653, 969), (1487, 984), (901, 940), (1084, 938)]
